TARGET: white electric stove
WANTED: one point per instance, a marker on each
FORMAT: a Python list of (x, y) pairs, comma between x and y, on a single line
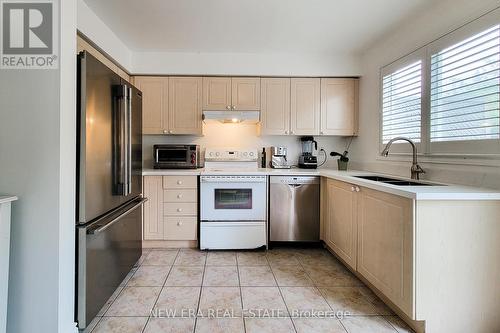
[(233, 201)]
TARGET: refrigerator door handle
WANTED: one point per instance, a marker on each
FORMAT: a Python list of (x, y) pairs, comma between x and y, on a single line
[(116, 219), (120, 140), (129, 141)]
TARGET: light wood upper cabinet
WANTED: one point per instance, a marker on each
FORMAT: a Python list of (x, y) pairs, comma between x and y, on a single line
[(185, 111), (245, 93), (339, 106), (153, 208), (340, 232), (385, 245), (275, 106), (226, 93), (154, 103), (305, 106), (216, 93)]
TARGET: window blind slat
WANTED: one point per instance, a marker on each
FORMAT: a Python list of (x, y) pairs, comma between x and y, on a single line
[(478, 38), (465, 89), (401, 102)]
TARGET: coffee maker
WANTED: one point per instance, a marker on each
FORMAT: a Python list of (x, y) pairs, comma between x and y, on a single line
[(278, 158), (307, 160)]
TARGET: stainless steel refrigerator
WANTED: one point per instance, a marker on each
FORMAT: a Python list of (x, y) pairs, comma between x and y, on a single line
[(109, 185)]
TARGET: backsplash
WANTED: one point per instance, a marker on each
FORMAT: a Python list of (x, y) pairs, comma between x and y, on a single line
[(242, 136)]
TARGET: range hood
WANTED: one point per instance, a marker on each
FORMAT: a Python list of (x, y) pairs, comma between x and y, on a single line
[(235, 117)]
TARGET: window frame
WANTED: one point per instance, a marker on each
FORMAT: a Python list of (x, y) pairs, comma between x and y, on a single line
[(468, 149)]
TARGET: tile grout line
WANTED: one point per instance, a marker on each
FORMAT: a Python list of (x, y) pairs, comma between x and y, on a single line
[(241, 293), (161, 289), (201, 290), (283, 298)]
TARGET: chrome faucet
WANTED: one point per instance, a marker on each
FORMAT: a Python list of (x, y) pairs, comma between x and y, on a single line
[(416, 170)]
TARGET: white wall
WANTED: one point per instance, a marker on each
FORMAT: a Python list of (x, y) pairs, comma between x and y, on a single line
[(442, 18), (37, 163), (180, 63), (98, 32), (220, 135), (172, 63)]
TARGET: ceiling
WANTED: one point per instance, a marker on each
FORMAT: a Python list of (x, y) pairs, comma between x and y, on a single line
[(253, 26)]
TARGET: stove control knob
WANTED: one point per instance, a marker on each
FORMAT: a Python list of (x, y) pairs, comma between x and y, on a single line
[(251, 153), (245, 154), (217, 154)]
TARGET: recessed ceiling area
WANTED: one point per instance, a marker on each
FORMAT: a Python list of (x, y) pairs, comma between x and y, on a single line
[(253, 26)]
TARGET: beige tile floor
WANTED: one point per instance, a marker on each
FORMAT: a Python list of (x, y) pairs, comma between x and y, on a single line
[(177, 291)]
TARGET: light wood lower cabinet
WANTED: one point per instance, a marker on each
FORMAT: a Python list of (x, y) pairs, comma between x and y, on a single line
[(341, 213), (385, 245), (371, 231), (153, 208), (171, 212), (429, 260)]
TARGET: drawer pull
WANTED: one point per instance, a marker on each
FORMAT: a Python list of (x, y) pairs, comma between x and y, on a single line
[(179, 223), (179, 210), (179, 196), (179, 182)]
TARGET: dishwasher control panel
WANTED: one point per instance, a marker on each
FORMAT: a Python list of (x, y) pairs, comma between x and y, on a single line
[(292, 180)]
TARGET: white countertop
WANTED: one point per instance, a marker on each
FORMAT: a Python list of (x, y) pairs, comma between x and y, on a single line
[(444, 192), (7, 198)]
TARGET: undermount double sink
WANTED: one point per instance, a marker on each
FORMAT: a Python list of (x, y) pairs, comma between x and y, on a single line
[(395, 181)]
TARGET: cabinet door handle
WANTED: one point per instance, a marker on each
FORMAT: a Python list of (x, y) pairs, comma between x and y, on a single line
[(353, 189), (233, 107), (292, 132), (321, 132), (179, 223), (228, 107), (179, 210), (357, 189), (165, 131), (179, 196), (170, 132), (179, 182), (286, 132)]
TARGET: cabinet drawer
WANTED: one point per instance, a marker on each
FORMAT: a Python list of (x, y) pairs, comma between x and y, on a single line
[(170, 182), (180, 208), (180, 228), (180, 195)]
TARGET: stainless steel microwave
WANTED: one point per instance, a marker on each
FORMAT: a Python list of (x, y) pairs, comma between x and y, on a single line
[(176, 156)]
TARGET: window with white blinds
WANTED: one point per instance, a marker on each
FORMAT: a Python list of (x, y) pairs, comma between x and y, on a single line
[(401, 103), (446, 95), (464, 92)]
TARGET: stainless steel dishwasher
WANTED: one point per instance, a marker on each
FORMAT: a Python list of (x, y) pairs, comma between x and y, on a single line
[(294, 208)]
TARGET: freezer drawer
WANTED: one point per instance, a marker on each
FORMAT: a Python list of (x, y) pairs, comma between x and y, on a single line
[(294, 208), (107, 251)]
